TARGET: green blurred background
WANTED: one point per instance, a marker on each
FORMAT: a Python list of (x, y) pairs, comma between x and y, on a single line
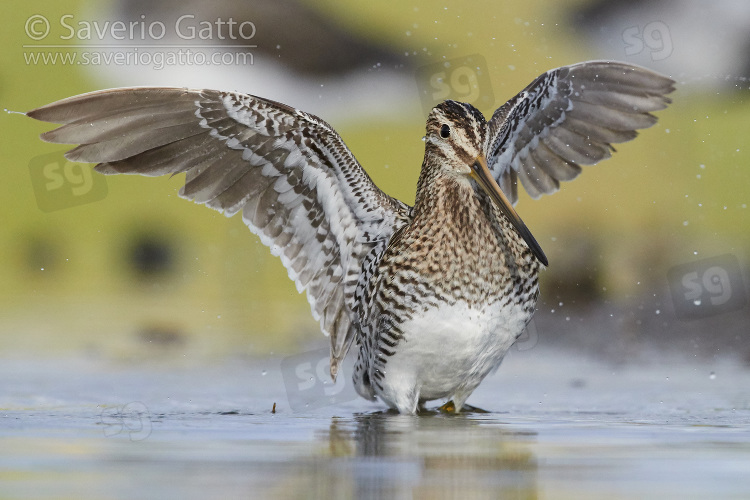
[(142, 273)]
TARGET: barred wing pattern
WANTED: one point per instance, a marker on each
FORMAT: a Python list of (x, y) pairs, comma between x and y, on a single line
[(568, 117), (297, 184)]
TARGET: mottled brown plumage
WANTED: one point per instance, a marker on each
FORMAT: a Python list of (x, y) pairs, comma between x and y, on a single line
[(460, 250), (433, 295)]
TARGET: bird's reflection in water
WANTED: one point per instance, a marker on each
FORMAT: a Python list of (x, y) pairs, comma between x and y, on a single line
[(385, 455)]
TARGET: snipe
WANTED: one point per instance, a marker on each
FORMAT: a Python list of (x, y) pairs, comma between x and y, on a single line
[(433, 295)]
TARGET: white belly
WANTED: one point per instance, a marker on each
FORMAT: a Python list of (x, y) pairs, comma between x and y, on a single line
[(449, 350)]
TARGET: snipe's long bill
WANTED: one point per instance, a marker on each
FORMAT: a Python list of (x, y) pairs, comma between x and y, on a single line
[(432, 295)]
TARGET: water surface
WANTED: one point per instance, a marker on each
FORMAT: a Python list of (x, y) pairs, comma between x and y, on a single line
[(558, 426)]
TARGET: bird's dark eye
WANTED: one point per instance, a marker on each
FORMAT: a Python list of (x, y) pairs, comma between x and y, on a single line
[(445, 131)]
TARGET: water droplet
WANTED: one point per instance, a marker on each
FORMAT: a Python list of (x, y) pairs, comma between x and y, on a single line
[(264, 373), (712, 376), (697, 302)]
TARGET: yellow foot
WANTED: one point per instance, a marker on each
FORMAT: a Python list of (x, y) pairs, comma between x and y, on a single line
[(448, 407)]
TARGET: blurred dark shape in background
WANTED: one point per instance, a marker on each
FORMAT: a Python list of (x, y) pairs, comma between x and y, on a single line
[(303, 39), (292, 53), (151, 256), (575, 278)]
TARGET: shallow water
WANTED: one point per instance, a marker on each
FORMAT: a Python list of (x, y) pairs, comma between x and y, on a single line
[(558, 427)]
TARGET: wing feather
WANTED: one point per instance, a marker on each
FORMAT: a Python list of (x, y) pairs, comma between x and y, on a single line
[(297, 184), (569, 117)]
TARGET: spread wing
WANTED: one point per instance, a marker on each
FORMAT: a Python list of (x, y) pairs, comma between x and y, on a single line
[(297, 184), (569, 117)]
